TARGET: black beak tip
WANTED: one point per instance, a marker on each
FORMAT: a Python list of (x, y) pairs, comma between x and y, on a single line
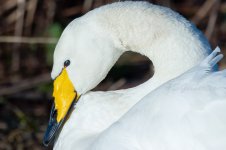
[(49, 136), (52, 129), (45, 142)]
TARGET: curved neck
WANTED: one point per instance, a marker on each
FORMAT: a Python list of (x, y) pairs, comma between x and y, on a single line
[(172, 43)]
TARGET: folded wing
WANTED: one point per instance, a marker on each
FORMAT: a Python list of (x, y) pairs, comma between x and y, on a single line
[(188, 112)]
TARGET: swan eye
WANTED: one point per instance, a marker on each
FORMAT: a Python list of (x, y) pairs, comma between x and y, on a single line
[(67, 63)]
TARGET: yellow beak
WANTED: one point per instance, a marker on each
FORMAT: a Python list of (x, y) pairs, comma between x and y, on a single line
[(65, 97), (64, 93)]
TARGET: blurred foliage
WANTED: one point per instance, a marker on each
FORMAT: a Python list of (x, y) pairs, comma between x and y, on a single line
[(45, 88), (54, 30)]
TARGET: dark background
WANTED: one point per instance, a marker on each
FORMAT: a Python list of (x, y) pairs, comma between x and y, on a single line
[(29, 30)]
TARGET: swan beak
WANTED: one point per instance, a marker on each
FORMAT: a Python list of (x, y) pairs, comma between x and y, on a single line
[(64, 98)]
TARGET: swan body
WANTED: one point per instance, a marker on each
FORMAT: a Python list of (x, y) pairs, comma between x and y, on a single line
[(95, 41), (186, 113)]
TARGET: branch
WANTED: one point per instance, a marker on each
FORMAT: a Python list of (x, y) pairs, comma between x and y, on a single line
[(203, 11), (28, 40), (25, 85), (212, 20)]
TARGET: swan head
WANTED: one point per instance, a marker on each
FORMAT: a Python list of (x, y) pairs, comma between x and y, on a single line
[(86, 47), (79, 65)]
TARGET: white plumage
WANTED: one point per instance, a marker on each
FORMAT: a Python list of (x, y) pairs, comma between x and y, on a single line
[(187, 112)]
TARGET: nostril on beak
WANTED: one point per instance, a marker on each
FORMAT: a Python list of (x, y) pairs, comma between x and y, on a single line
[(54, 114)]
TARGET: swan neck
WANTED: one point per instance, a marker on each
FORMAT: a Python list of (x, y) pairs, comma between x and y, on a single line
[(172, 43)]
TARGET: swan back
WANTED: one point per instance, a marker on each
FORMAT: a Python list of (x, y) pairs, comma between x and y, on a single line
[(186, 113)]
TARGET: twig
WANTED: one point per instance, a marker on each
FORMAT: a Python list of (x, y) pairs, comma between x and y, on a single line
[(7, 5), (25, 85), (203, 11), (28, 40), (98, 3), (15, 65), (11, 18), (72, 11), (87, 5), (31, 8), (20, 17), (212, 20)]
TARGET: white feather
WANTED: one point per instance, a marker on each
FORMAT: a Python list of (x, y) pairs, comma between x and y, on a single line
[(187, 112), (177, 115)]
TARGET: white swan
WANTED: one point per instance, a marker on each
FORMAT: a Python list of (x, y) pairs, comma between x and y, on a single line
[(90, 46)]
